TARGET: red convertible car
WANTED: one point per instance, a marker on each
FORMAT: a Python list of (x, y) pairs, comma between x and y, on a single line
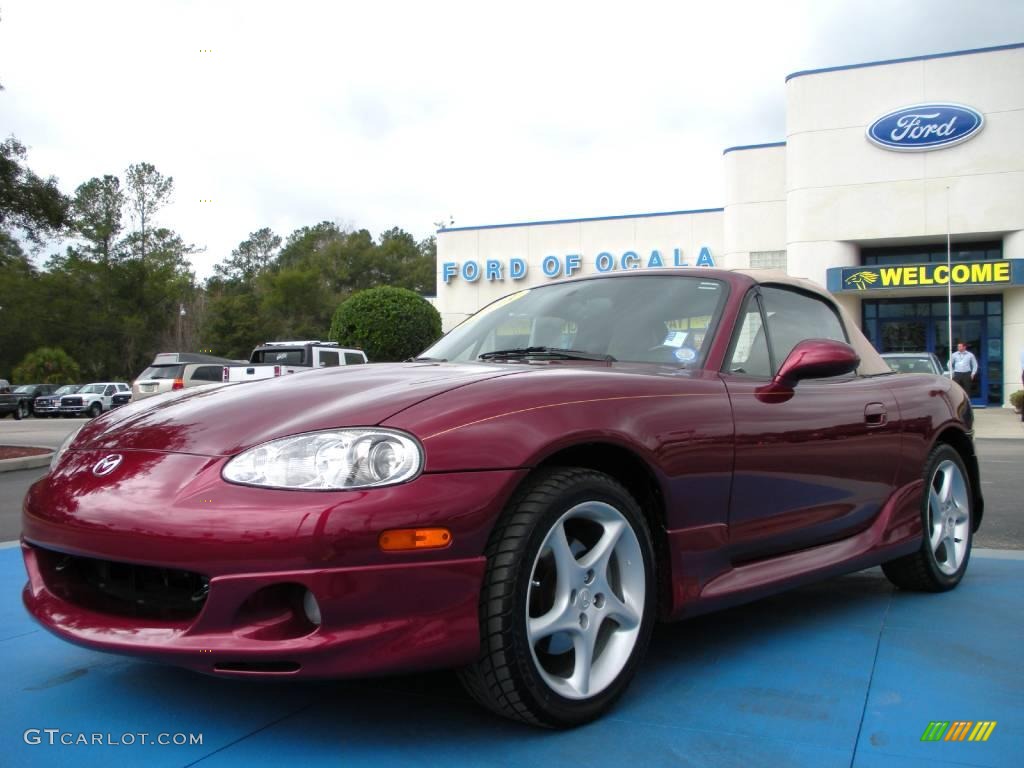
[(523, 502)]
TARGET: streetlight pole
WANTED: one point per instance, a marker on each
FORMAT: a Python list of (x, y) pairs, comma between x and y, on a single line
[(949, 289), (181, 314)]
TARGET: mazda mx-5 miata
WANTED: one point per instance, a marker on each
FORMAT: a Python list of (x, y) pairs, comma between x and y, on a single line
[(523, 502)]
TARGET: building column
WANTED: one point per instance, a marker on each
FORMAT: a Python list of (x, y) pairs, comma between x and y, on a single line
[(811, 260)]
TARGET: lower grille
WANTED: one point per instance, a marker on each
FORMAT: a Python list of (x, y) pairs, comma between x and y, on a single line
[(124, 589)]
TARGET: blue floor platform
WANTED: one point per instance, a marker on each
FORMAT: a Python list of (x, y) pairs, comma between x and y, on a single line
[(849, 672)]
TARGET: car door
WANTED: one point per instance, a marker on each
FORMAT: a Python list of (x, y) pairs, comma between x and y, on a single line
[(818, 466), (108, 395)]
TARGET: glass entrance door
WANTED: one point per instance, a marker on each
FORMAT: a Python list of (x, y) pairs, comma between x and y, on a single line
[(905, 336), (921, 325)]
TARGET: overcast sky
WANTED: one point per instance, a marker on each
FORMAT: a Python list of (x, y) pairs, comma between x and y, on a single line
[(382, 114)]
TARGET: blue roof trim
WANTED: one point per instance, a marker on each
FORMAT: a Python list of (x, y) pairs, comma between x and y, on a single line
[(574, 221), (967, 52), (727, 150)]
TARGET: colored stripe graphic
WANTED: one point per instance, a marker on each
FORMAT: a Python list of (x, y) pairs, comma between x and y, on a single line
[(982, 730), (959, 730)]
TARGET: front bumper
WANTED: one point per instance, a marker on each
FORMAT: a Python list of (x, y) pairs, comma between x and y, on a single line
[(376, 619), (73, 410), (260, 551)]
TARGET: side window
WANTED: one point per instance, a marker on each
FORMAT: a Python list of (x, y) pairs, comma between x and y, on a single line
[(207, 373), (328, 359), (111, 389), (353, 358), (794, 316), (749, 353)]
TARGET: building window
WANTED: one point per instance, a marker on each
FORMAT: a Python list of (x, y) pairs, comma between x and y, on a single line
[(922, 325), (919, 254), (768, 260)]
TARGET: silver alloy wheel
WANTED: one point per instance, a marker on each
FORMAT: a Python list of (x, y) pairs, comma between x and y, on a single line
[(949, 517), (586, 600)]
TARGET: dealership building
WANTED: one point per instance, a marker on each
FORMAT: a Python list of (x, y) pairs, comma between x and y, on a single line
[(881, 161)]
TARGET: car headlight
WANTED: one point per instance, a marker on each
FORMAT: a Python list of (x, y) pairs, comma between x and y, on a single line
[(59, 453), (335, 459)]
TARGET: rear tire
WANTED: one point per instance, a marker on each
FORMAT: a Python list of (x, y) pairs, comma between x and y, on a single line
[(947, 518), (568, 602)]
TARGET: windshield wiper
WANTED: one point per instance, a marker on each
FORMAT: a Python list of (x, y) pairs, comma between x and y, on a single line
[(427, 360), (550, 353)]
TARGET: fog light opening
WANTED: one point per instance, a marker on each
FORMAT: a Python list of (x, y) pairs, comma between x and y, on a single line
[(311, 608)]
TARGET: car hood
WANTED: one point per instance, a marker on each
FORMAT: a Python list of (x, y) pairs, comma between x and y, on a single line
[(223, 421)]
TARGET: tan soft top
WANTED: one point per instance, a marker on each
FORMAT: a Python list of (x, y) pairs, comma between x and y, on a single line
[(871, 363)]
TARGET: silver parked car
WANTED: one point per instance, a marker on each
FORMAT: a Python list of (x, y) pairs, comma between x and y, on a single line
[(171, 371), (914, 362)]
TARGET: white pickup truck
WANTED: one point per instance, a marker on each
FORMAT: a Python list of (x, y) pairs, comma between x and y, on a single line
[(277, 358)]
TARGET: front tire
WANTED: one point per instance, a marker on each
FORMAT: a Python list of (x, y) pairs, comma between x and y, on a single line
[(947, 515), (20, 412), (95, 410), (568, 602)]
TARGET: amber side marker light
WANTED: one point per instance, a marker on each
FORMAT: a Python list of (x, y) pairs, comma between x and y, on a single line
[(402, 539)]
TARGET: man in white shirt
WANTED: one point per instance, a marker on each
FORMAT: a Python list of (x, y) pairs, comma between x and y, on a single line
[(964, 366)]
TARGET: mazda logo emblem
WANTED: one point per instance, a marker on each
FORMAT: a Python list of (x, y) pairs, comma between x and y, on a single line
[(107, 464)]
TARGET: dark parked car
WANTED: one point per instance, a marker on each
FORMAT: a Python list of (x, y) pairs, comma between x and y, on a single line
[(25, 396), (120, 398), (8, 400), (49, 405), (525, 501)]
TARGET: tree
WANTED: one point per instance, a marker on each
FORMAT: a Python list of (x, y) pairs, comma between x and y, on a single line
[(389, 324), (47, 365), (27, 202), (252, 256), (20, 327), (148, 192), (96, 212)]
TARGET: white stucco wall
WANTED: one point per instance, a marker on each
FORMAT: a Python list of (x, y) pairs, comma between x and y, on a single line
[(840, 187), (755, 203)]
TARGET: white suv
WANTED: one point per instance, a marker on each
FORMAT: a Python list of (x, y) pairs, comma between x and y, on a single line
[(92, 399)]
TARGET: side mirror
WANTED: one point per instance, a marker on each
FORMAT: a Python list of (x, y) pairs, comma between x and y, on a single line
[(810, 359)]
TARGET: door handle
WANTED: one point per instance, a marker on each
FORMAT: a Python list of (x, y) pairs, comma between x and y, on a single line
[(875, 414)]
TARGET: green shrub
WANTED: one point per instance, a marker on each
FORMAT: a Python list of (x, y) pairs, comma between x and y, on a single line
[(47, 365), (1017, 399), (389, 324)]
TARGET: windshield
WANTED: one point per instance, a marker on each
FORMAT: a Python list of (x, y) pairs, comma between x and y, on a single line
[(639, 318), (93, 389), (24, 389), (162, 372), (67, 389)]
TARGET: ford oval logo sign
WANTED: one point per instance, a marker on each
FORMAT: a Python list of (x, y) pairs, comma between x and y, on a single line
[(107, 464), (921, 127)]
